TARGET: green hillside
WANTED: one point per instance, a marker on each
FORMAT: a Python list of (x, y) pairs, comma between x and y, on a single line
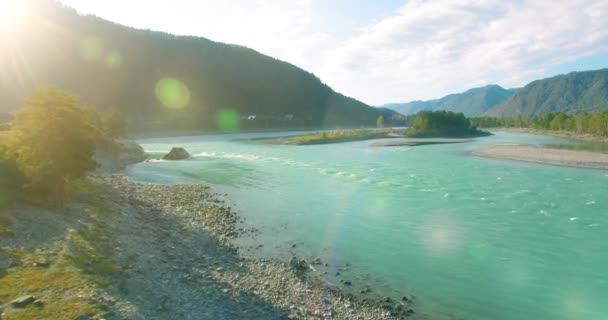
[(166, 82), (472, 102), (575, 92)]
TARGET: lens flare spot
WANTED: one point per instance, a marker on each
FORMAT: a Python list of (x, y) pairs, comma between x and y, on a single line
[(442, 235), (91, 48), (228, 120), (172, 93), (114, 60), (575, 306)]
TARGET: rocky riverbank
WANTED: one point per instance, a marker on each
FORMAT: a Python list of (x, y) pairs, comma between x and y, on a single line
[(163, 252)]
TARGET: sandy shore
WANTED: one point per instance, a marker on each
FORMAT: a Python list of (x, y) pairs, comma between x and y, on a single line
[(416, 141), (563, 134), (560, 157)]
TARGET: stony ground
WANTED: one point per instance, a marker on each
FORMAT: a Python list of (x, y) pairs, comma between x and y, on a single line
[(142, 251), (552, 156)]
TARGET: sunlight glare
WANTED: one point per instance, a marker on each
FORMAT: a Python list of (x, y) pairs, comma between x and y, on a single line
[(11, 13)]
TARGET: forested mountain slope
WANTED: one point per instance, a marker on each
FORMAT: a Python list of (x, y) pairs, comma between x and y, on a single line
[(161, 81), (575, 92), (472, 102)]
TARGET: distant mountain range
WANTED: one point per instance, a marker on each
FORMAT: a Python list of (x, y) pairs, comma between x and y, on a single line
[(571, 93), (110, 65), (575, 92), (472, 102)]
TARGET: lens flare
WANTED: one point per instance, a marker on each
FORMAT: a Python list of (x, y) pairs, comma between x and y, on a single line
[(576, 306), (172, 93), (228, 120), (12, 12), (442, 235), (91, 48), (114, 60)]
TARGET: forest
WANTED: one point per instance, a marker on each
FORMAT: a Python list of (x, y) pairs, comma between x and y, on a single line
[(583, 123)]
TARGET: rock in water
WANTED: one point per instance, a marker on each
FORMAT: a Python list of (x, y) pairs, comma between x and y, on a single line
[(177, 153)]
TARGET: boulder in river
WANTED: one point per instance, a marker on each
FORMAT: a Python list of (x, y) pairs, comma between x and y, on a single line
[(177, 153)]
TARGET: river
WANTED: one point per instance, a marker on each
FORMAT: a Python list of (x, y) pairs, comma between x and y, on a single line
[(471, 238)]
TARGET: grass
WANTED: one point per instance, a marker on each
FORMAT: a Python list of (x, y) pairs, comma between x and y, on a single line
[(79, 263), (91, 253), (68, 309), (91, 193), (59, 288)]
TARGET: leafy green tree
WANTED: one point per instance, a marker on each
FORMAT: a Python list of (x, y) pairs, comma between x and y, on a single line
[(54, 142)]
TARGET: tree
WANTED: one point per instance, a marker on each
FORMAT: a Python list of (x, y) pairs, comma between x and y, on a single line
[(54, 142), (380, 122), (442, 124), (115, 124)]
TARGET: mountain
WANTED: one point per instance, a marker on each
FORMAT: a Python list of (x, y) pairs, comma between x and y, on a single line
[(575, 92), (161, 81), (472, 102), (410, 107)]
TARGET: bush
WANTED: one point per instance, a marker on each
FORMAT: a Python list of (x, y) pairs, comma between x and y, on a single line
[(53, 141)]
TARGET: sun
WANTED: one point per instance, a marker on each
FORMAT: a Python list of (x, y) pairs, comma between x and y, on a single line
[(11, 13)]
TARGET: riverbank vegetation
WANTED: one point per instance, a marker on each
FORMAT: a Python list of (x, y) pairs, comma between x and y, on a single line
[(51, 144), (425, 124), (584, 123)]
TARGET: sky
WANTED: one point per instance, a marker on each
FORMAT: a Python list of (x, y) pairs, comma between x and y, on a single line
[(392, 50)]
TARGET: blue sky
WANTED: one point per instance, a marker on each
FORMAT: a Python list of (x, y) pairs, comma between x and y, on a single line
[(392, 51)]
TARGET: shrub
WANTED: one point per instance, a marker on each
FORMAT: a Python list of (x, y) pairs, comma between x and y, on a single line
[(53, 141)]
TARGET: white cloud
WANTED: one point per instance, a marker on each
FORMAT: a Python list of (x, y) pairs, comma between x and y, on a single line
[(430, 48)]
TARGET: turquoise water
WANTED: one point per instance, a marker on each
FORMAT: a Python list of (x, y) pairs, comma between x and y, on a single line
[(472, 238)]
